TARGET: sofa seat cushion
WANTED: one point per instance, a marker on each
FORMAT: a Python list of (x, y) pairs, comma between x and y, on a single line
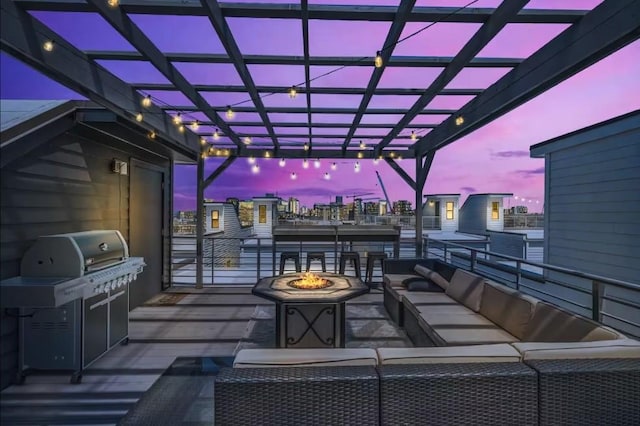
[(466, 288), (455, 354), (620, 348), (432, 276), (473, 335), (421, 309), (508, 308), (397, 280), (260, 358), (429, 298), (436, 320), (553, 324)]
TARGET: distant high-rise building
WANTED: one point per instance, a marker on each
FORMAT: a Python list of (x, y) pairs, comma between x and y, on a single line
[(371, 208), (402, 208), (294, 206), (245, 212), (304, 211), (382, 207), (339, 199)]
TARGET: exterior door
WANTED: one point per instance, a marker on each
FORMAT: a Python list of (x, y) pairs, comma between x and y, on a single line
[(146, 212)]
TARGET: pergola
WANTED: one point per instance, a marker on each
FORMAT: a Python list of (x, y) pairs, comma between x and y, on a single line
[(589, 36)]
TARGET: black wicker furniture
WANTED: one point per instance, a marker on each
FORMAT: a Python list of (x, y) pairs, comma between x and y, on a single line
[(289, 255)]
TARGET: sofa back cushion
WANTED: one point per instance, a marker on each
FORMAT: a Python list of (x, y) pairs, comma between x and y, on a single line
[(466, 288), (621, 348), (449, 354), (508, 308), (261, 358), (552, 324), (432, 275)]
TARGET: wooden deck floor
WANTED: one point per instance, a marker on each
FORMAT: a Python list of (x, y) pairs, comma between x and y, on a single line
[(207, 322)]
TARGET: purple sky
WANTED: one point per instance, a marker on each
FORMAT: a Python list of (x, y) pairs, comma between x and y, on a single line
[(492, 159)]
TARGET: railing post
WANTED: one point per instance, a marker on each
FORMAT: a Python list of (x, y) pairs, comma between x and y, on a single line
[(518, 274), (213, 257), (474, 254), (258, 260), (596, 300), (445, 251)]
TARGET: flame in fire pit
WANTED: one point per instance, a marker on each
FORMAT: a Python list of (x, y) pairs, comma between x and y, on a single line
[(310, 281)]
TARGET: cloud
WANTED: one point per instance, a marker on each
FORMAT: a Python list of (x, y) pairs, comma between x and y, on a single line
[(470, 189), (510, 154), (530, 172)]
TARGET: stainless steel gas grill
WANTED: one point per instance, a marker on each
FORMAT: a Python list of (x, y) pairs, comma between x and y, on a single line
[(72, 299)]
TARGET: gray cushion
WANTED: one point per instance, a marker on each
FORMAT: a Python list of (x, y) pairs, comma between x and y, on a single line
[(432, 275), (552, 324), (507, 308), (430, 298), (397, 280), (260, 358), (466, 288), (620, 348), (474, 335), (438, 319), (454, 354)]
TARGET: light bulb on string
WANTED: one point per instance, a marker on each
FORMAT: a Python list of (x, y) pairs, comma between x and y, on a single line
[(316, 163), (267, 154), (48, 45), (203, 141), (152, 134), (294, 176), (139, 117), (251, 160), (216, 135), (414, 137), (293, 92), (195, 126), (177, 119), (247, 140), (305, 164), (360, 155), (459, 120), (282, 163), (378, 61), (305, 146), (181, 128), (356, 167), (146, 101), (255, 169), (230, 114), (334, 166), (375, 161), (113, 3), (327, 176), (362, 145)]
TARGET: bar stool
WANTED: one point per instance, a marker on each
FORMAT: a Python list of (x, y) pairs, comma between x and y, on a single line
[(289, 255), (372, 258), (354, 258), (316, 255)]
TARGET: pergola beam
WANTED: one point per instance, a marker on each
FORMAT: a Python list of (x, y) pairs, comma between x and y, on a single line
[(314, 110), (123, 24), (385, 53), (315, 136), (311, 90), (316, 11), (322, 153), (609, 27), (218, 171), (304, 4), (350, 61), (324, 125), (404, 175), (22, 36), (496, 22), (225, 35)]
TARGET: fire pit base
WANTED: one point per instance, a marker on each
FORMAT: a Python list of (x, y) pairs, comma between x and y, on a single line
[(310, 325)]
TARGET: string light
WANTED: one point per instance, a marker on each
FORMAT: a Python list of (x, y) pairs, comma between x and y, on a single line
[(327, 176), (216, 135), (195, 126), (255, 169), (113, 3), (375, 161), (334, 166), (177, 119), (378, 60), (247, 140), (203, 141), (459, 120), (146, 101), (362, 145), (294, 176), (360, 155), (230, 114), (210, 150), (282, 163), (413, 136), (316, 163), (181, 128), (48, 45), (251, 160), (139, 117), (306, 146), (293, 92), (305, 164), (356, 167), (399, 158), (152, 134), (204, 155), (267, 154)]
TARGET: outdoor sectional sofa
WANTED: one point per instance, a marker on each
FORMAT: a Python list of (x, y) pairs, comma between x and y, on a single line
[(500, 357)]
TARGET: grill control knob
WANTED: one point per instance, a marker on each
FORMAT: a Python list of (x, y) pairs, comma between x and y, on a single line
[(106, 287), (97, 289), (114, 284)]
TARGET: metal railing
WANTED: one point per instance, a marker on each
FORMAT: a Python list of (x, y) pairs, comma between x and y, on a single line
[(243, 261), (524, 221), (609, 301)]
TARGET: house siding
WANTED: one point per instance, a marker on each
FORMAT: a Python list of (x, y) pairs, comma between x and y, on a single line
[(263, 229), (473, 215), (64, 186)]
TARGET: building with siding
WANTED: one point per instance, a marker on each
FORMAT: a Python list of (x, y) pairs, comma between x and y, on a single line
[(222, 227), (58, 177), (592, 198), (441, 211), (265, 215), (482, 212)]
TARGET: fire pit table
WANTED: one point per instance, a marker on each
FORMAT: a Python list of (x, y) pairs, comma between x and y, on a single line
[(310, 308)]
